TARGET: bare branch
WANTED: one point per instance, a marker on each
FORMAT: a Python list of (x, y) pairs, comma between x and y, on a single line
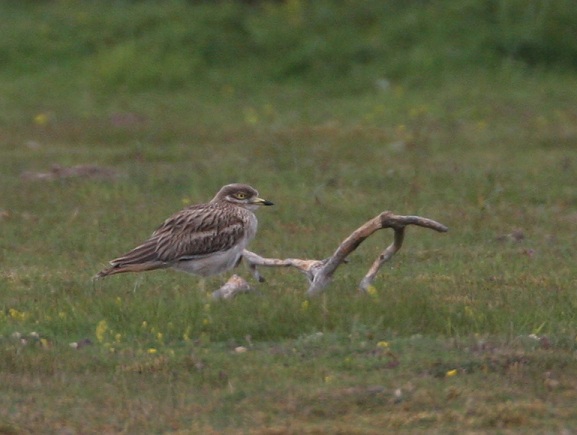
[(308, 267), (231, 288), (385, 256), (319, 272), (384, 220)]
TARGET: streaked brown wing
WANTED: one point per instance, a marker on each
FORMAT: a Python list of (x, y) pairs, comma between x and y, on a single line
[(198, 231), (141, 258)]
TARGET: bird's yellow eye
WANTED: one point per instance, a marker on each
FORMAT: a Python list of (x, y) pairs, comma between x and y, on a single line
[(241, 195)]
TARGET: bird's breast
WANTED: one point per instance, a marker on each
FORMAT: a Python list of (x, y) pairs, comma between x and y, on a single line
[(251, 226)]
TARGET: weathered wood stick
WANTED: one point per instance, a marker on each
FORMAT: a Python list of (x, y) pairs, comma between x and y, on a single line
[(319, 272), (385, 256), (233, 286)]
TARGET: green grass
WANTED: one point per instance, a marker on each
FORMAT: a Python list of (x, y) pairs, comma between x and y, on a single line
[(471, 330)]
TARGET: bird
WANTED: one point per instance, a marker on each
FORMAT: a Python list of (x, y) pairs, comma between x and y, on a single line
[(202, 239)]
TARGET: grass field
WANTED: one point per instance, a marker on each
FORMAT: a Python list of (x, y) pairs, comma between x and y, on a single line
[(472, 331)]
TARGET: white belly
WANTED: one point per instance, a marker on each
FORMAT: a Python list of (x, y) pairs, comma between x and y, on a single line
[(210, 265)]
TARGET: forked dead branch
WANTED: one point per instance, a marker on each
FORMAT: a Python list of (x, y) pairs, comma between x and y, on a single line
[(320, 272)]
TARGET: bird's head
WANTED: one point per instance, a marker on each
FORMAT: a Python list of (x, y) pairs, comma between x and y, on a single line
[(241, 195)]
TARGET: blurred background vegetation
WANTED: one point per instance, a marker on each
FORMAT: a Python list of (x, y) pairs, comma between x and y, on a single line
[(341, 46)]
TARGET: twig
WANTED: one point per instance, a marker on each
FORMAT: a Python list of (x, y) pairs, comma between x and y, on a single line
[(319, 272), (233, 286)]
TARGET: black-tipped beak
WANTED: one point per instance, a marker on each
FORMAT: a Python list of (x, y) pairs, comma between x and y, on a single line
[(261, 201)]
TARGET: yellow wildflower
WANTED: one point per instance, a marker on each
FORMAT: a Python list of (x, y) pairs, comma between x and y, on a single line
[(41, 119), (250, 116), (371, 290), (17, 315), (101, 329), (186, 335)]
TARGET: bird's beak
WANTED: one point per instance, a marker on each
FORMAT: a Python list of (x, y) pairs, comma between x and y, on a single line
[(260, 201)]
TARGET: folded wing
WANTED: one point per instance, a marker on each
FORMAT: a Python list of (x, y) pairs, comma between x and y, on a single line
[(195, 232)]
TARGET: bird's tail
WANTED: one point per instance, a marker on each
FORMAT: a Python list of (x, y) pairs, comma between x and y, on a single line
[(122, 268), (140, 259)]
